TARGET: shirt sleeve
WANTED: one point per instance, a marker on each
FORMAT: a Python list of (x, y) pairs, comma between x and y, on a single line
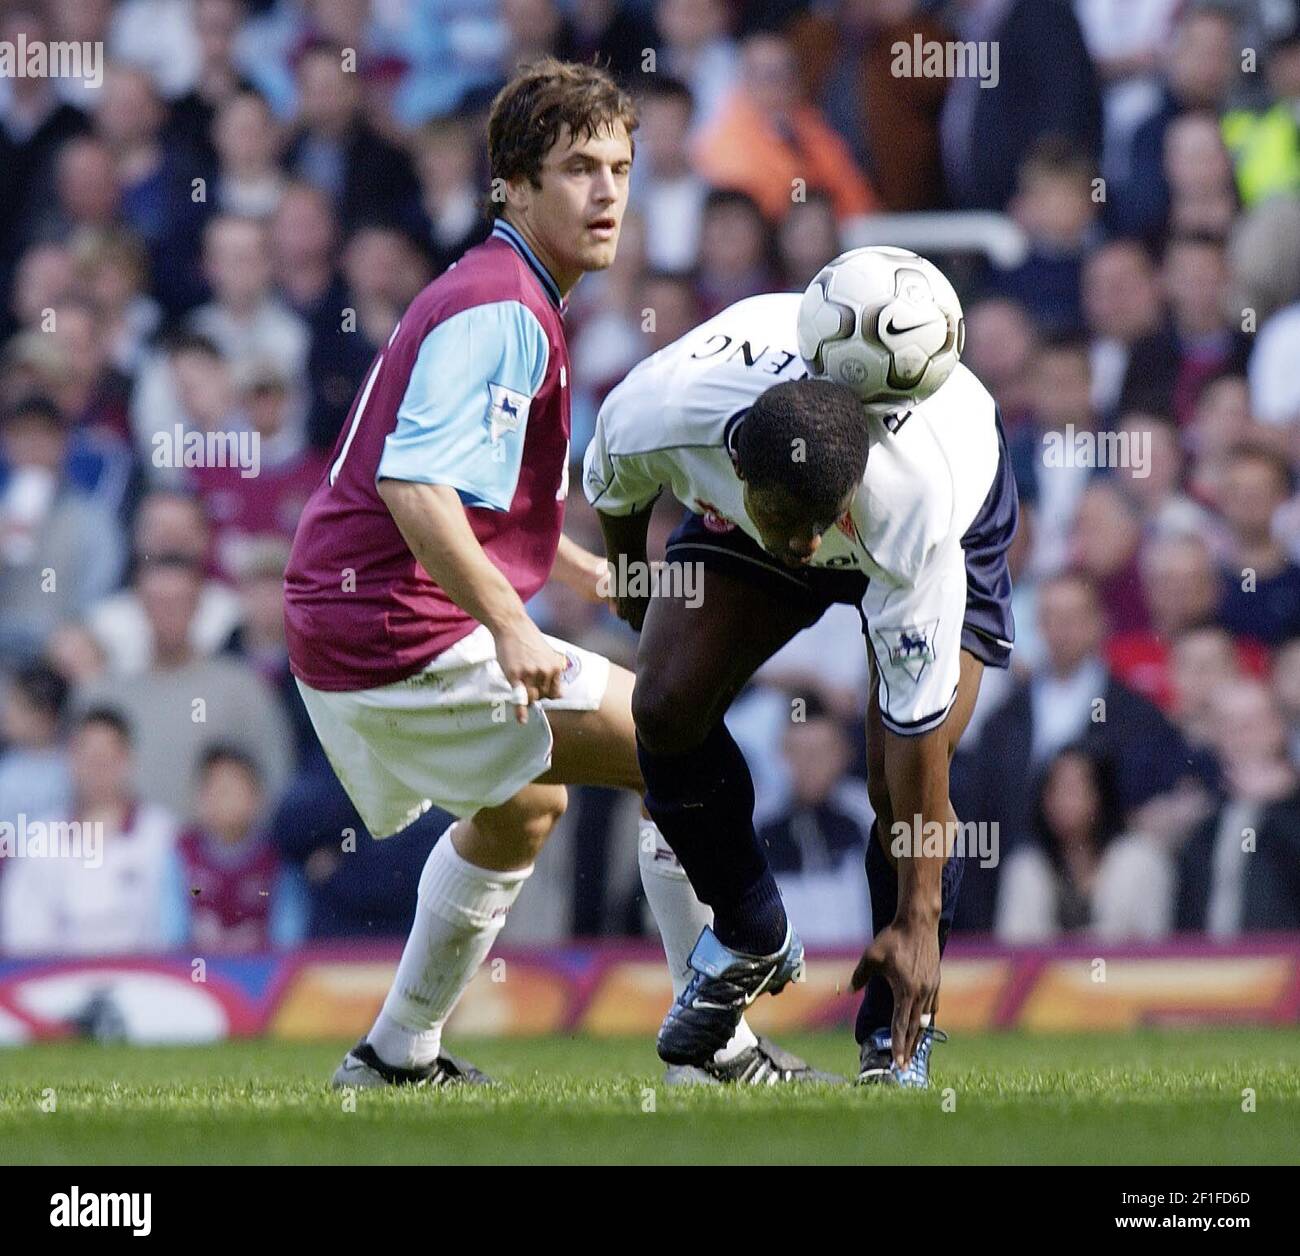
[(915, 636), (616, 484), (464, 415)]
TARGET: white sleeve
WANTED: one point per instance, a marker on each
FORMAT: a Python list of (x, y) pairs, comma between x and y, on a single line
[(617, 484), (915, 635)]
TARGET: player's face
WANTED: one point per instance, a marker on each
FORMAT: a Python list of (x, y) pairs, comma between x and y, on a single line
[(575, 217), (783, 524)]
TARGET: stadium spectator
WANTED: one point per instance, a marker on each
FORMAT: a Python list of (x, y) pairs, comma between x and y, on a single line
[(1261, 582), (35, 126), (986, 130), (1121, 300), (247, 501), (1052, 454), (847, 54), (1125, 42), (816, 845), (1200, 68), (1265, 144), (1202, 196), (665, 185), (239, 896), (249, 180), (1104, 543), (1286, 679), (183, 700), (806, 240), (1001, 341), (111, 271), (246, 320), (1182, 588), (34, 778), (217, 79), (109, 885), (1221, 421), (1055, 208), (1153, 485), (60, 550), (367, 178), (696, 47), (735, 258), (87, 192), (769, 143), (449, 215), (1168, 369), (1073, 697), (1240, 869), (1081, 871), (160, 200), (259, 639), (609, 29)]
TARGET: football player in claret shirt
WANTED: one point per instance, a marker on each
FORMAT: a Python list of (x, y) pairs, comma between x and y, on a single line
[(799, 497), (438, 518)]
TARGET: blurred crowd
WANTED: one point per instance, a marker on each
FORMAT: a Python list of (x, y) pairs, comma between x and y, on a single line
[(204, 252)]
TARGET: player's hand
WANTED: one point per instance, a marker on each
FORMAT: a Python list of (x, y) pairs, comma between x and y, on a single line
[(531, 664), (906, 956)]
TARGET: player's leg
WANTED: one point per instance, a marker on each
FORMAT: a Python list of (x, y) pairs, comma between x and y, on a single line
[(598, 747), (472, 877), (690, 667), (877, 1009), (691, 664)]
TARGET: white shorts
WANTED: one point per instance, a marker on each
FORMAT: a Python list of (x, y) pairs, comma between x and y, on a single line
[(446, 737)]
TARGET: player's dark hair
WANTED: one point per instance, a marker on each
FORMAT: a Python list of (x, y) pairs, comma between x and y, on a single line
[(543, 100), (808, 437)]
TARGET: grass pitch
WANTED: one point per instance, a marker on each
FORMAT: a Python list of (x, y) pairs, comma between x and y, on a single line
[(1151, 1098)]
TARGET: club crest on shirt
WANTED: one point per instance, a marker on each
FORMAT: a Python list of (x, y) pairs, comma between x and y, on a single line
[(912, 648), (714, 519), (508, 411)]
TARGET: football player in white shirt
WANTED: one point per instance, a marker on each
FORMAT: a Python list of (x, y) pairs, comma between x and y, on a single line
[(799, 497)]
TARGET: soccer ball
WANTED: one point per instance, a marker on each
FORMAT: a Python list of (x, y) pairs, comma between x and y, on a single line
[(884, 323)]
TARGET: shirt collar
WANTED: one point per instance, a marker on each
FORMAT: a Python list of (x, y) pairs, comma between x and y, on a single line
[(732, 430), (502, 230)]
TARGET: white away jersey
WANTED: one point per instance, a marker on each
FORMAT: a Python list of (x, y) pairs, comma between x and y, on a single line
[(667, 424)]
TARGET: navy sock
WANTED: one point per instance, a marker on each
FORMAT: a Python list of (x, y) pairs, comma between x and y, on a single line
[(703, 803), (877, 1010)]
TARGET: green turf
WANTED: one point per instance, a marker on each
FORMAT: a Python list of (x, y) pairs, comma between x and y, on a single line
[(1164, 1098)]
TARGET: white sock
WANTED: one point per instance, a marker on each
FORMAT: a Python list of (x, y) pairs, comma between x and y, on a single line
[(680, 916), (459, 911)]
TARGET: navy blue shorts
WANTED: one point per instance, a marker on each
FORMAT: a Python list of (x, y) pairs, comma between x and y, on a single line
[(988, 628)]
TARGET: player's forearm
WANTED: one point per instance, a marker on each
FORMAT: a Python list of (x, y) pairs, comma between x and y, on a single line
[(577, 567), (433, 523), (917, 771), (626, 534)]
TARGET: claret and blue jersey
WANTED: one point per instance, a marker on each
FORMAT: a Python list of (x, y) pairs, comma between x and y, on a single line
[(471, 392)]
